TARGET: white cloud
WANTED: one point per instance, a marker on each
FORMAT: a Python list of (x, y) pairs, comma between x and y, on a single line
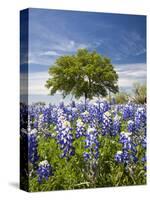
[(131, 73), (56, 49), (49, 53), (37, 82), (131, 43), (38, 58), (68, 46)]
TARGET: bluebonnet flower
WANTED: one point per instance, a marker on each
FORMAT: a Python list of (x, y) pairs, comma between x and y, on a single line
[(119, 156), (74, 113), (122, 157), (64, 136), (116, 126), (60, 114), (80, 107), (91, 144), (104, 106), (32, 146), (118, 108), (85, 116), (99, 116), (128, 111), (80, 128), (86, 156), (67, 112), (34, 113), (107, 123), (92, 109), (125, 156), (131, 126), (95, 115), (71, 113), (140, 118), (44, 171), (54, 114), (40, 122), (125, 139), (47, 115), (129, 151)]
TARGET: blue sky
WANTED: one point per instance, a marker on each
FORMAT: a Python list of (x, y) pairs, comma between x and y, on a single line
[(54, 33)]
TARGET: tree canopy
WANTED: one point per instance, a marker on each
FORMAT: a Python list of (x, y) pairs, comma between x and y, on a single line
[(85, 74)]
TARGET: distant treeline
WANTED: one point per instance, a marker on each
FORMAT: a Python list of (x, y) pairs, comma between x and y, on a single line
[(138, 95)]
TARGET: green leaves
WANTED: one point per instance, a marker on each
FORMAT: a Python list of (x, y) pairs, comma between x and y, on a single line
[(72, 173), (84, 74)]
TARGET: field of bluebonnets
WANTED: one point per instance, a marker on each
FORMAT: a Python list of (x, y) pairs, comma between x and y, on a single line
[(76, 146)]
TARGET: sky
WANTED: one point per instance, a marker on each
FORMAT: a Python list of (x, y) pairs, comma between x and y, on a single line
[(54, 33)]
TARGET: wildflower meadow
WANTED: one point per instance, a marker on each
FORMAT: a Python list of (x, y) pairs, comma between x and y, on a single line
[(76, 146)]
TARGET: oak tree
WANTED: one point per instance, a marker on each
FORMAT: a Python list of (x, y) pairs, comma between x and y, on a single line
[(85, 73)]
